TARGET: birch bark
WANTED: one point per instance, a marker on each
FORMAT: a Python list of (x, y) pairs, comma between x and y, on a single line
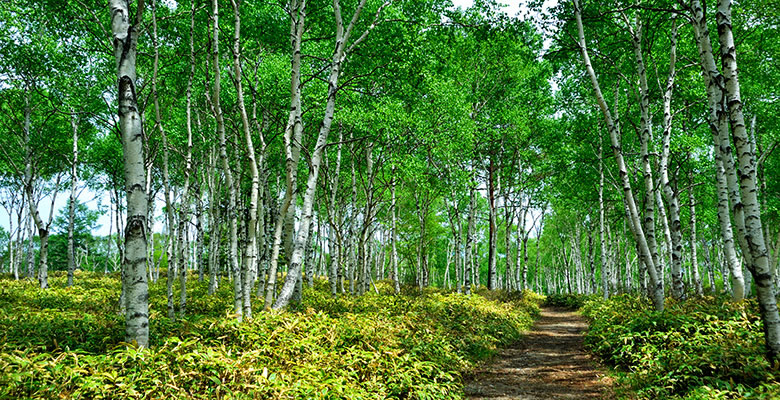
[(646, 138), (758, 260), (292, 136), (493, 234), (125, 35), (470, 237), (393, 236), (456, 229), (694, 245), (670, 194), (339, 56), (213, 220), (29, 178), (508, 218), (169, 209), (250, 249), (72, 199), (334, 239), (605, 269), (638, 230), (184, 207), (232, 217), (723, 159)]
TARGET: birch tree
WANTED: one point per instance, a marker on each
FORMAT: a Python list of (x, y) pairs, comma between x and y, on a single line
[(343, 47), (628, 194), (125, 30)]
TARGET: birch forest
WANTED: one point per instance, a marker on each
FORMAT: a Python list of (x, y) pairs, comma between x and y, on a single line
[(403, 199)]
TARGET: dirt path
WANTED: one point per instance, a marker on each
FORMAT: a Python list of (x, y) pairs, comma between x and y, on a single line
[(549, 363)]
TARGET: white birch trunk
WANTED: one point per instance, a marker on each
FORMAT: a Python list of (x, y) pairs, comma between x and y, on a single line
[(470, 238), (171, 256), (184, 208), (292, 137), (646, 138), (638, 230), (605, 270), (334, 239), (72, 199), (671, 195), (231, 217), (134, 281), (393, 237), (213, 221), (758, 262), (694, 246), (29, 178), (456, 229), (250, 250), (723, 159), (339, 55), (508, 217), (493, 234)]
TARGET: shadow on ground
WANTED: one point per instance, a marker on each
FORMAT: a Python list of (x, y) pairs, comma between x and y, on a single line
[(549, 363)]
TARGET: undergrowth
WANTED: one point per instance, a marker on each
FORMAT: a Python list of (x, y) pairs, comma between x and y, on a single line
[(67, 343), (703, 348), (572, 300)]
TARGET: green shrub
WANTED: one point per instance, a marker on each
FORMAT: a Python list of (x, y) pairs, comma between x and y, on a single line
[(573, 301), (67, 343), (701, 348)]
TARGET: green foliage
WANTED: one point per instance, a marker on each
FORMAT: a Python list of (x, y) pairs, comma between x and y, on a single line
[(702, 348), (573, 301), (67, 342)]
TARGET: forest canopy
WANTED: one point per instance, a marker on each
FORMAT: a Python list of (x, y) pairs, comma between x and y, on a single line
[(589, 147)]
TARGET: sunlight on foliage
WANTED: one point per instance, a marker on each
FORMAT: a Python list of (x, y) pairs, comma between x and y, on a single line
[(706, 348), (68, 342)]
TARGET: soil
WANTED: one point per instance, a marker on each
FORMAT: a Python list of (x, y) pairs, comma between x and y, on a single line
[(550, 362)]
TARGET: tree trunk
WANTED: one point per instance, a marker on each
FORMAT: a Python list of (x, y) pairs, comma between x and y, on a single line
[(723, 160), (645, 139), (213, 221), (694, 245), (29, 178), (184, 208), (199, 250), (758, 260), (394, 235), (169, 209), (368, 217), (422, 251), (130, 125), (153, 267), (638, 230), (456, 229), (29, 259), (671, 195), (292, 136), (232, 217), (308, 259), (337, 62), (592, 264), (72, 199), (508, 217), (471, 237), (493, 234), (250, 248), (605, 270), (334, 239)]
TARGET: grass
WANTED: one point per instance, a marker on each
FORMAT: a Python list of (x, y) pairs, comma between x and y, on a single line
[(67, 343)]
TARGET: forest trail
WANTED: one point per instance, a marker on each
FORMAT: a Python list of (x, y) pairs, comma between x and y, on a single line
[(549, 363)]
